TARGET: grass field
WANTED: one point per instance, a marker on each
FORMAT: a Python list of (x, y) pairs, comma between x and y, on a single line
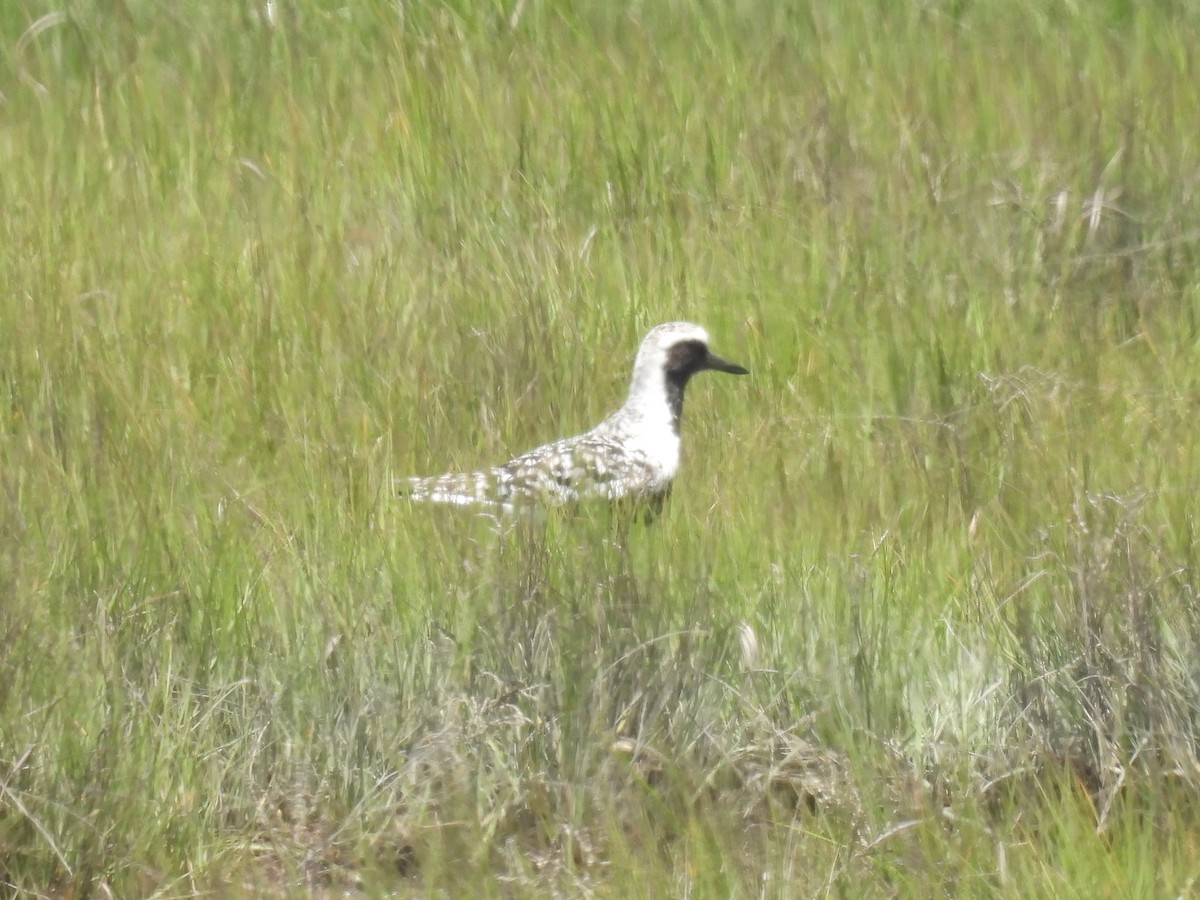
[(922, 616)]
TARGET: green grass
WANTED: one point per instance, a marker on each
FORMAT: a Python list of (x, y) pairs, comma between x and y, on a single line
[(256, 268)]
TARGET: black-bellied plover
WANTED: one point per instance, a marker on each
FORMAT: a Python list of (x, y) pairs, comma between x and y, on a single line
[(633, 454)]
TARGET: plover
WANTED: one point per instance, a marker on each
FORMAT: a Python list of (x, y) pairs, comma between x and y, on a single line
[(633, 454)]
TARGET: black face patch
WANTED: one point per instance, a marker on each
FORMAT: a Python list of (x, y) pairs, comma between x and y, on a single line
[(684, 360)]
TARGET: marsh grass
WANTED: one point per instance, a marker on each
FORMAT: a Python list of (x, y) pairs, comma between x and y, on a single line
[(921, 613)]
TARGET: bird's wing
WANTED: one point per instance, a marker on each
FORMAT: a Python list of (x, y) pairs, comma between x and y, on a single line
[(562, 472), (576, 469)]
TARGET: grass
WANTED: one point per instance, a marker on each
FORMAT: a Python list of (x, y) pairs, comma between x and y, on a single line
[(921, 615)]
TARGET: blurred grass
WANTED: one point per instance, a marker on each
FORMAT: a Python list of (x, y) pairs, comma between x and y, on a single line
[(921, 613)]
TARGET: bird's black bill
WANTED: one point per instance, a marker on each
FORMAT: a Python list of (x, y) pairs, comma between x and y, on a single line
[(712, 361)]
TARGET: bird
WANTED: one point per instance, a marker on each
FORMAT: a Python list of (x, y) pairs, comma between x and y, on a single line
[(631, 456)]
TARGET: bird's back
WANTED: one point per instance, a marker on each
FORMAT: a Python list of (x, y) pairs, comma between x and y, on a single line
[(596, 464)]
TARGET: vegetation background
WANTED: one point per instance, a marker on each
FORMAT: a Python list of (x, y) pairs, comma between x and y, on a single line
[(921, 617)]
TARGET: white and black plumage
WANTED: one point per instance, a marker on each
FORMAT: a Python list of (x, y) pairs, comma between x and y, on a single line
[(633, 454)]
